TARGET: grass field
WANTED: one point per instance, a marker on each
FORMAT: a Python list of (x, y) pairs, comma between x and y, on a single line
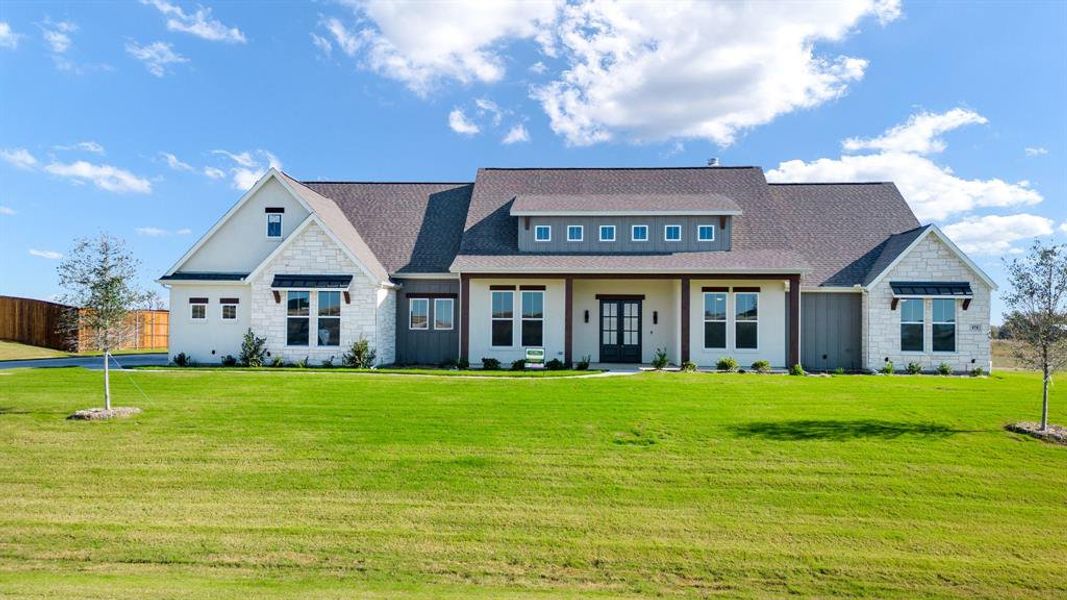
[(338, 485), (16, 351)]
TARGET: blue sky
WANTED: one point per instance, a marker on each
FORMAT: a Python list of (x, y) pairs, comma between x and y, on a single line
[(145, 119)]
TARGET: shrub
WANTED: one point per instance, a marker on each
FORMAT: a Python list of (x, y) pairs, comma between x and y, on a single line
[(229, 361), (583, 363), (944, 369), (839, 371), (555, 365), (796, 369), (328, 363), (762, 366), (887, 369), (977, 372), (518, 365), (726, 363), (490, 364), (302, 363), (659, 359), (182, 359), (277, 362), (689, 366), (253, 350), (360, 355), (914, 368), (463, 364)]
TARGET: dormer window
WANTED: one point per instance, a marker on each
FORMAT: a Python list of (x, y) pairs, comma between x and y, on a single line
[(639, 233), (607, 233), (705, 233), (672, 233), (543, 233), (575, 233), (274, 222)]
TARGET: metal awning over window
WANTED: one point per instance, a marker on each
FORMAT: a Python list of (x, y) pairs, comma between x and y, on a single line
[(957, 289), (313, 282)]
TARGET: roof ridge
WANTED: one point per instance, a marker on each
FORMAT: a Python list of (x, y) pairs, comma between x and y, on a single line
[(831, 183), (313, 181)]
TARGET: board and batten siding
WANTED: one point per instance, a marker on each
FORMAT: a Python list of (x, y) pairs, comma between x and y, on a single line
[(431, 346), (831, 331), (591, 239)]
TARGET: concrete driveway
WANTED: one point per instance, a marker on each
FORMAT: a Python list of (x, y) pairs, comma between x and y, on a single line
[(89, 362)]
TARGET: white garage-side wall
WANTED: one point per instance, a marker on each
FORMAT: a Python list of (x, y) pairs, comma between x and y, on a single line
[(314, 252), (929, 260), (661, 296), (241, 243), (771, 331), (208, 340), (481, 320)]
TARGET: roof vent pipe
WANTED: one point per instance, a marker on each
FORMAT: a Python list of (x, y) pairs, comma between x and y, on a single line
[(713, 161)]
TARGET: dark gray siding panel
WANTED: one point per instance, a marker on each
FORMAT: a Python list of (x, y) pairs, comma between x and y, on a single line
[(591, 240), (831, 329), (426, 347)]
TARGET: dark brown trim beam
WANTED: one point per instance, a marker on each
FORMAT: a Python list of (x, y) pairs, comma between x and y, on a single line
[(465, 314), (685, 319), (794, 320), (501, 288), (229, 300), (747, 289), (432, 295), (198, 300), (274, 209), (532, 288), (568, 320), (698, 276), (620, 296), (966, 303), (893, 303), (707, 289)]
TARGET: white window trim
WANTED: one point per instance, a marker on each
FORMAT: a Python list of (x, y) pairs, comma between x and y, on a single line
[(900, 329), (287, 317), (667, 239), (581, 233), (318, 316), (411, 305), (281, 226), (725, 321), (735, 321), (197, 319), (702, 225), (548, 227), (493, 319), (451, 314), (222, 313), (633, 229), (955, 328), (601, 229), (523, 318)]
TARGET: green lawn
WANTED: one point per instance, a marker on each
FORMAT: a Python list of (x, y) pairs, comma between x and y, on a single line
[(17, 351), (275, 484)]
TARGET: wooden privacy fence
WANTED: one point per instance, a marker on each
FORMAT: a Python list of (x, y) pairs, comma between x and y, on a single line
[(38, 322)]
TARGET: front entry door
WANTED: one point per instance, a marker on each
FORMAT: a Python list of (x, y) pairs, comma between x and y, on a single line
[(620, 331)]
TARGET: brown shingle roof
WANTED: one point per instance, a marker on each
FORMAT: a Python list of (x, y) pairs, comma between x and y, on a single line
[(533, 204)]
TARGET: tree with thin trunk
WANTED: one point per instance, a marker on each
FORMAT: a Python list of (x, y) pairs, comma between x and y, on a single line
[(99, 276), (1037, 312)]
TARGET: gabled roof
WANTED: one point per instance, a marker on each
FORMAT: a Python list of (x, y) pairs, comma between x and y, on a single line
[(879, 272), (891, 250), (623, 204)]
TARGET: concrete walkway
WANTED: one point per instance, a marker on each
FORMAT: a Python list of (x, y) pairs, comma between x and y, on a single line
[(89, 362)]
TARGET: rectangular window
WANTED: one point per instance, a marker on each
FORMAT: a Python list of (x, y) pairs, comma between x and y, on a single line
[(274, 225), (672, 233), (443, 313), (944, 325), (198, 309), (229, 312), (419, 313), (911, 325), (746, 320), (533, 318), (607, 233), (503, 318), (298, 317), (329, 318), (575, 233), (543, 233), (715, 320), (639, 233), (705, 233)]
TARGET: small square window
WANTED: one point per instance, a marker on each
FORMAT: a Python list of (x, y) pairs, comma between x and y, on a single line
[(705, 233), (575, 233), (274, 225), (607, 233), (672, 233), (543, 233), (198, 311), (639, 233), (229, 312)]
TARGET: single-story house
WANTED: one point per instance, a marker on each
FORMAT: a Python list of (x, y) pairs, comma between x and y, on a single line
[(612, 264)]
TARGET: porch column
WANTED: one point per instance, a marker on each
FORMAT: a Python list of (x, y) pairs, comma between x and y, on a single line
[(685, 319), (568, 319), (794, 320), (464, 316)]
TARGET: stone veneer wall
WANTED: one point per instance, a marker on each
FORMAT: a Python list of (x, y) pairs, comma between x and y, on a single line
[(313, 252), (930, 260)]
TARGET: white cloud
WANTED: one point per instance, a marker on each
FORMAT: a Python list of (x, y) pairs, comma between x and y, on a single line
[(538, 68), (7, 211), (175, 163), (55, 35), (214, 173), (322, 44), (487, 107), (516, 134), (994, 234), (244, 158), (933, 191), (155, 56), (656, 71), (921, 134), (249, 166), (183, 231), (1036, 151), (49, 254), (8, 38), (198, 23), (1063, 227), (459, 123), (105, 177), (19, 157), (423, 43), (151, 231), (89, 146)]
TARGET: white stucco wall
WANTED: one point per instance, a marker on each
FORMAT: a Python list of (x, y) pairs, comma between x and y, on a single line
[(930, 260), (772, 318), (207, 341), (481, 327), (661, 296), (241, 244)]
